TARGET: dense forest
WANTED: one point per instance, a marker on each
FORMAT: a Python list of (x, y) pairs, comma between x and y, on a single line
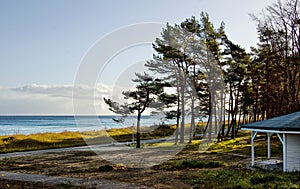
[(217, 79)]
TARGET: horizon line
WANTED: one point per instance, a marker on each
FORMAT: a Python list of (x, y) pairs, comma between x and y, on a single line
[(62, 115)]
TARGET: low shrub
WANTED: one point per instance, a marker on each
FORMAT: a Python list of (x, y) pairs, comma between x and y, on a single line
[(191, 164)]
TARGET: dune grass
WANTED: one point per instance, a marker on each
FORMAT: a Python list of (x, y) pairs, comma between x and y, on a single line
[(39, 141)]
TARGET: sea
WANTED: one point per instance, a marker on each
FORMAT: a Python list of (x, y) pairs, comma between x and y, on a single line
[(10, 125)]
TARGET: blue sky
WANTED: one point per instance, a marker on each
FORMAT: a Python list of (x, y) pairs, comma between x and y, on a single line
[(43, 42)]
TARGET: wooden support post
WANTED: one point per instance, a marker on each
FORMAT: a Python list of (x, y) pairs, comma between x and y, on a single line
[(283, 141), (253, 135), (284, 151), (269, 145)]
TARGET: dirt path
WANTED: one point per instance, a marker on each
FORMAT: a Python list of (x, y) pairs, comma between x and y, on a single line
[(78, 182), (101, 147), (83, 167), (107, 150)]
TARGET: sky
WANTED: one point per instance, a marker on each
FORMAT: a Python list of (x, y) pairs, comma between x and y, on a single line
[(43, 44)]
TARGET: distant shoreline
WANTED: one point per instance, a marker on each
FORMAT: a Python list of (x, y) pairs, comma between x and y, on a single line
[(10, 125)]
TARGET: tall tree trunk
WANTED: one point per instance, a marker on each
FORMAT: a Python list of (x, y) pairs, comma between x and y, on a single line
[(228, 117), (236, 110), (182, 91), (192, 126), (208, 124), (216, 116), (230, 112), (210, 118), (182, 118), (177, 118), (138, 131), (239, 123), (224, 116), (255, 107)]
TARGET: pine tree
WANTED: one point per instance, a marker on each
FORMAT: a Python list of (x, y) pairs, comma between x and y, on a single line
[(145, 96), (278, 53)]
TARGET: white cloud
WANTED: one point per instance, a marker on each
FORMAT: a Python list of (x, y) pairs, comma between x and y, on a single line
[(65, 91), (53, 99)]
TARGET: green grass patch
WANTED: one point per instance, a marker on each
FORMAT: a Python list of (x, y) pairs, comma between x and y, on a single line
[(242, 145), (191, 147), (241, 178)]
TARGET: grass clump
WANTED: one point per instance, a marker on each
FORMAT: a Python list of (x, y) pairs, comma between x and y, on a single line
[(117, 167), (191, 164), (106, 168)]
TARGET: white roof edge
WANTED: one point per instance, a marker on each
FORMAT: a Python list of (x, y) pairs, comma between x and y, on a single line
[(271, 131)]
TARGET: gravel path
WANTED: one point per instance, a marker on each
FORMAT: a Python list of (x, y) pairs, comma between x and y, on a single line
[(54, 180)]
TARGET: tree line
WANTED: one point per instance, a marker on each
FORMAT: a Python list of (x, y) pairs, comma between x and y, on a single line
[(214, 78)]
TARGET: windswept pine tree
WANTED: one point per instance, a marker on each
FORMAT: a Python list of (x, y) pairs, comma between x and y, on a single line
[(160, 65), (207, 50), (145, 96), (235, 77), (189, 55), (171, 51)]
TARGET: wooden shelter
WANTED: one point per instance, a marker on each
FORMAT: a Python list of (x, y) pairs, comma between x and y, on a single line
[(287, 128)]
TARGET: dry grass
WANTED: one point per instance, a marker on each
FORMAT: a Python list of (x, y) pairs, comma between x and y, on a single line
[(39, 141)]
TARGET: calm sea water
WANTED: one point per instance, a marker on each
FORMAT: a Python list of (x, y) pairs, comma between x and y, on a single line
[(41, 124)]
